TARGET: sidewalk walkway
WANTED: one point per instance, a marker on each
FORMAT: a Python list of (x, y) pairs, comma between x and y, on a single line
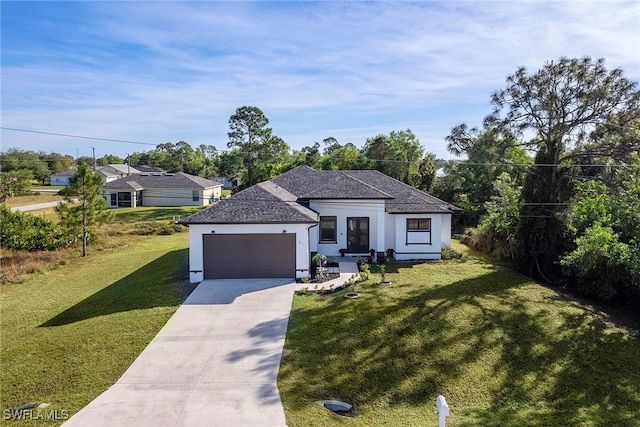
[(348, 268), (215, 363), (37, 206)]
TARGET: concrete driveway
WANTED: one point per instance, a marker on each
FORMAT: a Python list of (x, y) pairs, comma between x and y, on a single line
[(215, 363)]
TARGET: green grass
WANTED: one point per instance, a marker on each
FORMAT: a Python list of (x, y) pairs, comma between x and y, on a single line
[(68, 334), (153, 213), (503, 350)]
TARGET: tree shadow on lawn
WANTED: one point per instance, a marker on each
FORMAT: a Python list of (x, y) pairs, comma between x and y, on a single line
[(500, 355), (160, 283)]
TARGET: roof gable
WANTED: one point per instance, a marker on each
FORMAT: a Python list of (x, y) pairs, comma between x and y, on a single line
[(262, 203), (278, 200), (178, 180)]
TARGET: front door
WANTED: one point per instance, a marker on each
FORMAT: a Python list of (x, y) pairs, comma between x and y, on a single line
[(358, 234)]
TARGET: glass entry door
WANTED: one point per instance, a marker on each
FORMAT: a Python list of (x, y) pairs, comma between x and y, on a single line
[(358, 234)]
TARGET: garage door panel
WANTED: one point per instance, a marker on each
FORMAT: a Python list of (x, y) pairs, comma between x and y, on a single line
[(228, 256)]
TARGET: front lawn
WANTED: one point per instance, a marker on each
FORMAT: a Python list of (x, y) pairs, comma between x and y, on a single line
[(68, 334), (504, 351)]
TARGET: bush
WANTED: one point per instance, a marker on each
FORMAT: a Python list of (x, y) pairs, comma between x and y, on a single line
[(364, 271), (449, 253), (66, 192), (157, 228), (30, 233)]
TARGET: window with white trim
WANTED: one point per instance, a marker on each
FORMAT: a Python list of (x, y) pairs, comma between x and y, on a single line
[(418, 231)]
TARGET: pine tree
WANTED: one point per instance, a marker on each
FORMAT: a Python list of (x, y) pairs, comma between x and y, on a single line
[(83, 205)]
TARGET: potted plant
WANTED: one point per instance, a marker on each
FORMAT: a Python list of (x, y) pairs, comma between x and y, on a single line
[(372, 252), (342, 251), (319, 259), (354, 291)]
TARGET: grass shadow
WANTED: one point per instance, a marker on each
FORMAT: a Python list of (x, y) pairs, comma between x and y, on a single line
[(150, 286), (500, 352), (153, 213)]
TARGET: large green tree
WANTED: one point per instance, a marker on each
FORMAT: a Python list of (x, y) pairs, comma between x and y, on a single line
[(553, 111), (84, 204), (469, 183), (248, 132), (15, 159), (398, 155), (605, 223), (15, 183)]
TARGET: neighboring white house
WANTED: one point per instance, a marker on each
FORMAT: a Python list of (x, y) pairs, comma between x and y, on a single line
[(161, 189), (106, 175), (272, 228), (119, 170), (62, 178), (227, 183)]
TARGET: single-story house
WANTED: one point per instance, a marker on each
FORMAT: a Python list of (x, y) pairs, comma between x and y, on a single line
[(227, 183), (62, 178), (271, 229), (161, 189), (121, 170), (107, 175)]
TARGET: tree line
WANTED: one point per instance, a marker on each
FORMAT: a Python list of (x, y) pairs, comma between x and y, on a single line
[(550, 182), (253, 154)]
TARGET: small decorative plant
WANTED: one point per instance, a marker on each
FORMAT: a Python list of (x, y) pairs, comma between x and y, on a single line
[(342, 251), (319, 259), (364, 271), (383, 275)]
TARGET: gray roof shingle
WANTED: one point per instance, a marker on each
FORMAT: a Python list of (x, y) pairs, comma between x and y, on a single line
[(406, 199), (277, 201), (262, 203), (178, 180)]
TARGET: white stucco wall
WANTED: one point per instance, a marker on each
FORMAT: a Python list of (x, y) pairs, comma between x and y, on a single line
[(445, 236), (196, 231), (413, 249), (343, 209), (59, 180), (173, 197)]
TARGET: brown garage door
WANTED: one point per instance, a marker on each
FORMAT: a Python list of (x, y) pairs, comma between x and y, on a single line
[(228, 256)]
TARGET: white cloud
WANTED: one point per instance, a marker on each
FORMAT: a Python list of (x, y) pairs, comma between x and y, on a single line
[(166, 71)]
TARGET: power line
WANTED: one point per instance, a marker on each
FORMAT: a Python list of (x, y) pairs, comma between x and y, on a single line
[(77, 136), (443, 163)]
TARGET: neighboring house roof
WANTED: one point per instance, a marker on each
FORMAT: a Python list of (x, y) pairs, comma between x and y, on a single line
[(143, 181), (262, 203), (406, 199), (107, 173), (279, 200), (121, 169), (69, 172), (145, 168)]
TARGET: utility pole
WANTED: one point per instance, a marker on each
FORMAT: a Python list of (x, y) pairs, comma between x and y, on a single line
[(128, 165), (94, 158)]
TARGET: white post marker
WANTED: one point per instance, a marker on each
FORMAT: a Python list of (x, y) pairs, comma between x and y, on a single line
[(443, 410)]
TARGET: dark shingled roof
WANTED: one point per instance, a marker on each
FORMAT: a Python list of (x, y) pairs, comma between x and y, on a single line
[(262, 203), (146, 181), (278, 200), (406, 199)]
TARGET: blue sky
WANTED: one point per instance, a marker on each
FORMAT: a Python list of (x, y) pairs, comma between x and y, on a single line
[(156, 72)]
